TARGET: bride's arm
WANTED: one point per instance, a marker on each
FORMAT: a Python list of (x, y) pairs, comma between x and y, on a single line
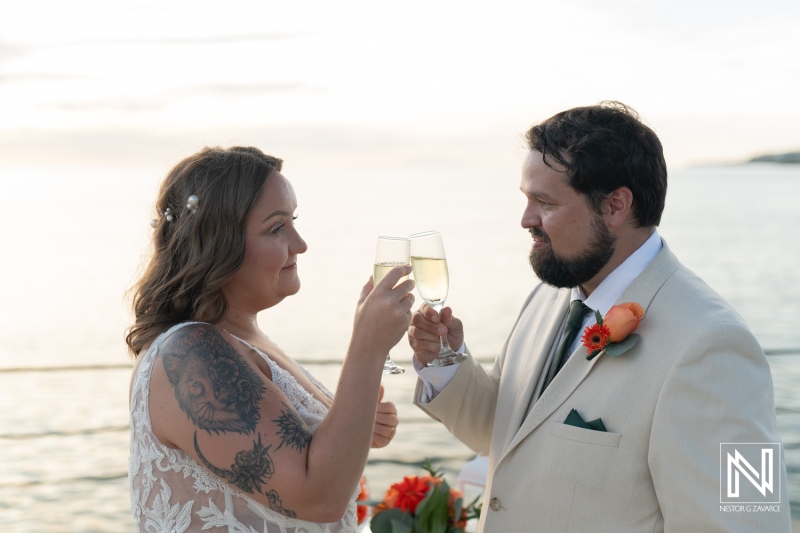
[(208, 400)]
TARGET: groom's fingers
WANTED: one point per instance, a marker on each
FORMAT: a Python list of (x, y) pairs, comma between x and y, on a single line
[(422, 329), (455, 329), (430, 314), (423, 343), (425, 351), (428, 320), (424, 332)]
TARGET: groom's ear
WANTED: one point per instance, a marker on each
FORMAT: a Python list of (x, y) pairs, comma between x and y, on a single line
[(618, 206)]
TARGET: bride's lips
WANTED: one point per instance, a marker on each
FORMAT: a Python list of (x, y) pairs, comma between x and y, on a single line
[(293, 266)]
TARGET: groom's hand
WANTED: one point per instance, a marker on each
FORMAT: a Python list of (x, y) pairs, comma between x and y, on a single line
[(426, 327)]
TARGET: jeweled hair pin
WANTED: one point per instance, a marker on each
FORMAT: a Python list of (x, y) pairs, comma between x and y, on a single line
[(191, 206), (192, 202)]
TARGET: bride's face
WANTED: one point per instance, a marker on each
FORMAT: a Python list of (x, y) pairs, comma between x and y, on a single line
[(272, 244)]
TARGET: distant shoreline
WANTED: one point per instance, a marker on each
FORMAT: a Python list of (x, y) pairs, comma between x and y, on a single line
[(786, 158)]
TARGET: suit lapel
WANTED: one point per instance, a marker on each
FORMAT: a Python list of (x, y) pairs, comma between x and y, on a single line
[(536, 341), (647, 284), (564, 384), (642, 290)]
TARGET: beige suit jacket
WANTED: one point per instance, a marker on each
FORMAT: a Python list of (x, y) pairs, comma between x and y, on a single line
[(696, 378)]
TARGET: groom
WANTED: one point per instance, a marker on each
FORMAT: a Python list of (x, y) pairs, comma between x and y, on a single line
[(631, 443)]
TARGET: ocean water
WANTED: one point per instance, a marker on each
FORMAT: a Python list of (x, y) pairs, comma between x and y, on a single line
[(75, 238)]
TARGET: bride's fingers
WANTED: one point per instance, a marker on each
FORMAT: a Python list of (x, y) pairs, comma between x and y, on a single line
[(408, 302), (386, 419)]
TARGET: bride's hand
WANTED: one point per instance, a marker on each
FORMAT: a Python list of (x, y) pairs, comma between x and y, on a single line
[(385, 423), (383, 314)]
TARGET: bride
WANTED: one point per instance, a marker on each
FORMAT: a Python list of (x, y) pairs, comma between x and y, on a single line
[(229, 433)]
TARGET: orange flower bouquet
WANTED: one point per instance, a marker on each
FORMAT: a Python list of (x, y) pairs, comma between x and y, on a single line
[(423, 504), (362, 510), (613, 334)]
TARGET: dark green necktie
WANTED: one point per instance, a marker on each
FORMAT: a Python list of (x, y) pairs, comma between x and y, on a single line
[(577, 310)]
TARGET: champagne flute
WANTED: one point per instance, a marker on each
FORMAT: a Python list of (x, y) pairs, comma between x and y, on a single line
[(433, 284), (389, 253)]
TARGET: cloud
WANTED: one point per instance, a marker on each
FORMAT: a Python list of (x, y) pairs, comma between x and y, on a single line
[(325, 146), (220, 39), (239, 89), (161, 101), (43, 77), (10, 51), (130, 106)]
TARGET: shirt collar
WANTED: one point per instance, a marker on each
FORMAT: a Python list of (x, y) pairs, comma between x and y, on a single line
[(612, 287)]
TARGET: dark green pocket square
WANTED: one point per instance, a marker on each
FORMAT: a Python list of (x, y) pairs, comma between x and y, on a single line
[(574, 419)]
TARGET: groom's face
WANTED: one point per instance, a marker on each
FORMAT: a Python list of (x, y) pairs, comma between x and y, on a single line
[(571, 242)]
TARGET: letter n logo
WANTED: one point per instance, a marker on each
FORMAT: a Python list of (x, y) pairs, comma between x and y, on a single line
[(748, 472)]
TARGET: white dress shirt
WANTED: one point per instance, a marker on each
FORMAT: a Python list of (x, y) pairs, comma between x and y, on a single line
[(435, 379)]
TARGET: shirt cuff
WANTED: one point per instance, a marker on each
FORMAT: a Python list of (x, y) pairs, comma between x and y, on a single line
[(435, 378)]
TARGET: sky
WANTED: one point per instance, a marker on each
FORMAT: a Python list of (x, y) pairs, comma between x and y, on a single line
[(365, 83)]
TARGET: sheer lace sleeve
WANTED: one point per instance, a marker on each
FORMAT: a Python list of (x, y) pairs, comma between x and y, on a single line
[(172, 492)]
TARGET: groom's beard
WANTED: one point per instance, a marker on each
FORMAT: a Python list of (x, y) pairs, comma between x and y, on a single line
[(567, 273)]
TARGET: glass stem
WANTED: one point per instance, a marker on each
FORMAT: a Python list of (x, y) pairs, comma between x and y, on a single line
[(444, 346)]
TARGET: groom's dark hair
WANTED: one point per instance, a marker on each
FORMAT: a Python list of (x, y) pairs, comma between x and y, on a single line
[(605, 147)]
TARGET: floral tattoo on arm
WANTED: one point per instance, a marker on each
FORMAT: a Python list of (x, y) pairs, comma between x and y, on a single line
[(250, 469), (294, 432), (213, 384), (220, 392)]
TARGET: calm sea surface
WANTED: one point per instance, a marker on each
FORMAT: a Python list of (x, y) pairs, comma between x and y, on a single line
[(73, 241)]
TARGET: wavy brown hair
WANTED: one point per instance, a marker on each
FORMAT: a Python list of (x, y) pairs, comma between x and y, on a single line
[(196, 253), (604, 147)]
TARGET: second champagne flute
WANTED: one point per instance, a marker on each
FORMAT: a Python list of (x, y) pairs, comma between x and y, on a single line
[(389, 253), (433, 283)]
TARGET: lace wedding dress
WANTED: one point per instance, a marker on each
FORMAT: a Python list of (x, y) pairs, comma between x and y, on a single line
[(171, 492)]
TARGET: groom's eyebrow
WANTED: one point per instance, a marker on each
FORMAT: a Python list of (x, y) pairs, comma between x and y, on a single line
[(537, 195)]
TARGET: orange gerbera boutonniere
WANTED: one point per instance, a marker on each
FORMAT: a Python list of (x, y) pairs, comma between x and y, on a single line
[(613, 334), (595, 338)]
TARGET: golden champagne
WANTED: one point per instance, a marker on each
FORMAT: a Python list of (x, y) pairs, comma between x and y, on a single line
[(381, 269), (432, 279)]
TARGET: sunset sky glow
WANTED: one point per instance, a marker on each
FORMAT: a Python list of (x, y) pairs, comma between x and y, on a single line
[(359, 82)]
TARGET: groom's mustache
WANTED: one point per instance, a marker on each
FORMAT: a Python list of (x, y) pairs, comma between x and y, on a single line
[(540, 234)]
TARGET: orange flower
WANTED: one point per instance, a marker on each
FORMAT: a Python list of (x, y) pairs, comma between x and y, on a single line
[(362, 510), (407, 494), (404, 499), (451, 504), (621, 320), (595, 338)]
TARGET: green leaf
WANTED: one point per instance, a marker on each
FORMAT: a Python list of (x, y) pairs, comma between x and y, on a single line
[(459, 507), (432, 512), (599, 318), (401, 527), (390, 520), (428, 467), (615, 349), (474, 508)]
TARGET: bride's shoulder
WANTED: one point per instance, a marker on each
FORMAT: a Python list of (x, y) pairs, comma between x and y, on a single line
[(187, 336)]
